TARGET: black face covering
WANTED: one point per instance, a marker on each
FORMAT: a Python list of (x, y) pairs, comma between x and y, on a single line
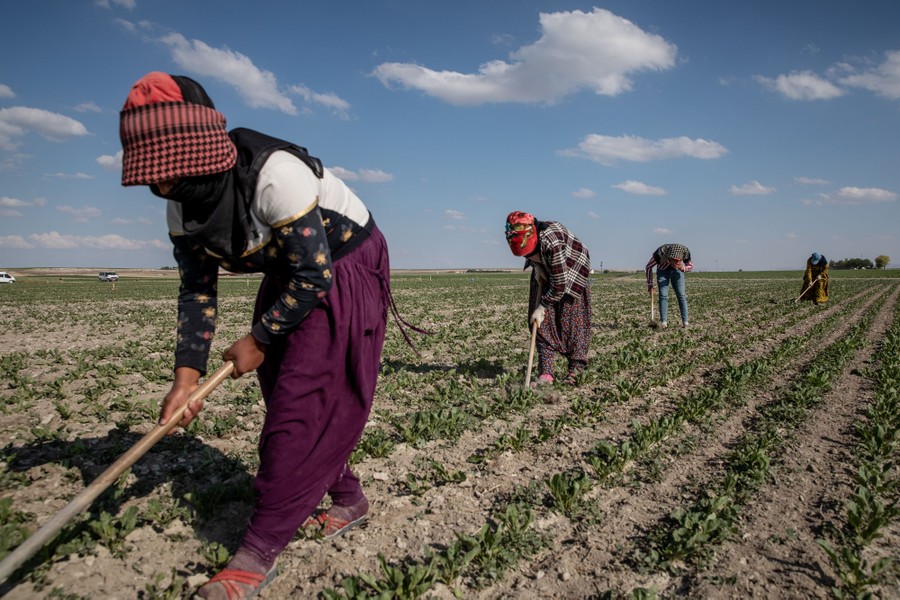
[(190, 190), (215, 209), (207, 212)]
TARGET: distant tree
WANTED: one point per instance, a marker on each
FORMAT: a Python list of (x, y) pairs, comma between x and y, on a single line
[(852, 263), (882, 261)]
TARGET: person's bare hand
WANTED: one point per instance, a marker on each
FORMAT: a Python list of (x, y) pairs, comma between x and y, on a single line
[(186, 381), (246, 354)]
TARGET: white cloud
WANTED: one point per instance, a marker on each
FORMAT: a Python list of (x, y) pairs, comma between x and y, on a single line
[(80, 215), (584, 193), (636, 187), (14, 241), (503, 39), (884, 79), (662, 230), (577, 50), (113, 162), (57, 241), (454, 214), (129, 4), (88, 107), (374, 176), (754, 188), (76, 175), (9, 212), (811, 181), (54, 240), (257, 87), (802, 85), (342, 173), (7, 202), (593, 215), (810, 49), (6, 91), (606, 149), (329, 100), (856, 195), (16, 121), (367, 175), (126, 25), (791, 235)]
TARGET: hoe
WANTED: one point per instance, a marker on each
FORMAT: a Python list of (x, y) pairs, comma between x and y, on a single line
[(809, 287), (34, 543), (534, 329)]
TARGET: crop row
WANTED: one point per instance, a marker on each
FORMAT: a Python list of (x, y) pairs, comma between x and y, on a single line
[(873, 504), (71, 408), (567, 491)]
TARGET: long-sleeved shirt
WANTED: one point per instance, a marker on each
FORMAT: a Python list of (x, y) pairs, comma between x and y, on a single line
[(668, 256), (566, 261), (300, 221)]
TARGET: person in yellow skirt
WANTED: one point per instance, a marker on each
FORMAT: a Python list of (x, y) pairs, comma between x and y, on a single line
[(815, 279)]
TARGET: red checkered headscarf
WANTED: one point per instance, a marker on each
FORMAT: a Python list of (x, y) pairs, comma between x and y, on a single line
[(521, 233), (170, 129)]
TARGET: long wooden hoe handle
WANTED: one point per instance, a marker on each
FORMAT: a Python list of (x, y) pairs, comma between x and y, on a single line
[(109, 476), (534, 329), (809, 287)]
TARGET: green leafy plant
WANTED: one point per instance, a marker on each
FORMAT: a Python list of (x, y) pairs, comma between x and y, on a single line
[(112, 531)]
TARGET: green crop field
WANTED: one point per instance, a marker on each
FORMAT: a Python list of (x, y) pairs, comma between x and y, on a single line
[(754, 454)]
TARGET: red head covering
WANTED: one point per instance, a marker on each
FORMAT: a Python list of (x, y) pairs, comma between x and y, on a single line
[(170, 129), (521, 233)]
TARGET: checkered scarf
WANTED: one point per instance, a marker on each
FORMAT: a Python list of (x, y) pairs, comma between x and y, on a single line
[(170, 140), (673, 252), (566, 259)]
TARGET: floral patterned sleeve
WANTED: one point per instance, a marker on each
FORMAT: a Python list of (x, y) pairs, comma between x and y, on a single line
[(197, 303), (304, 245)]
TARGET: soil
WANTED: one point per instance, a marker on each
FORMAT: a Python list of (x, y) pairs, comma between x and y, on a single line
[(773, 554)]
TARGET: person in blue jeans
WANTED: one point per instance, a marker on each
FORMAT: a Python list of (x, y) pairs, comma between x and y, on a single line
[(672, 261)]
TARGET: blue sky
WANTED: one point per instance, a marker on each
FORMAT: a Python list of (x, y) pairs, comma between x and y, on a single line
[(754, 132)]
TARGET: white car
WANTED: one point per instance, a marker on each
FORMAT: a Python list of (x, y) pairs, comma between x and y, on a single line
[(108, 276), (6, 277)]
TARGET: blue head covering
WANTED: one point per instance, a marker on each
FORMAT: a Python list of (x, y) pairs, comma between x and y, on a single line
[(815, 257)]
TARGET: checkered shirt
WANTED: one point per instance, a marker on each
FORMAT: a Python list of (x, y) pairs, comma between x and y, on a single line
[(566, 260)]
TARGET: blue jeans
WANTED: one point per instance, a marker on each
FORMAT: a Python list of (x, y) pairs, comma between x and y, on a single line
[(676, 278)]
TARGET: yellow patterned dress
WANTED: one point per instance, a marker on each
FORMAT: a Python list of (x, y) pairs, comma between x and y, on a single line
[(818, 293)]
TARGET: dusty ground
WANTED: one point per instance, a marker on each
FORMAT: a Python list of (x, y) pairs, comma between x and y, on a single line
[(772, 554)]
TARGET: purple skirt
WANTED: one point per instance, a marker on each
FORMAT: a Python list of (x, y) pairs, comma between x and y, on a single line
[(318, 383)]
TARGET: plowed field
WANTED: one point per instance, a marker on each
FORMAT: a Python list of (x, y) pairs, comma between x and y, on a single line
[(753, 454)]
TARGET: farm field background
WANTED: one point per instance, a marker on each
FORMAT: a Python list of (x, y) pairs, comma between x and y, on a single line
[(753, 454)]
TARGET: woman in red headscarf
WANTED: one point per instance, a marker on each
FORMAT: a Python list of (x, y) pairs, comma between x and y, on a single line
[(248, 202), (559, 299)]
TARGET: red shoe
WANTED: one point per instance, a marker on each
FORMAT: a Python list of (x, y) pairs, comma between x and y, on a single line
[(543, 379), (236, 583), (329, 526)]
